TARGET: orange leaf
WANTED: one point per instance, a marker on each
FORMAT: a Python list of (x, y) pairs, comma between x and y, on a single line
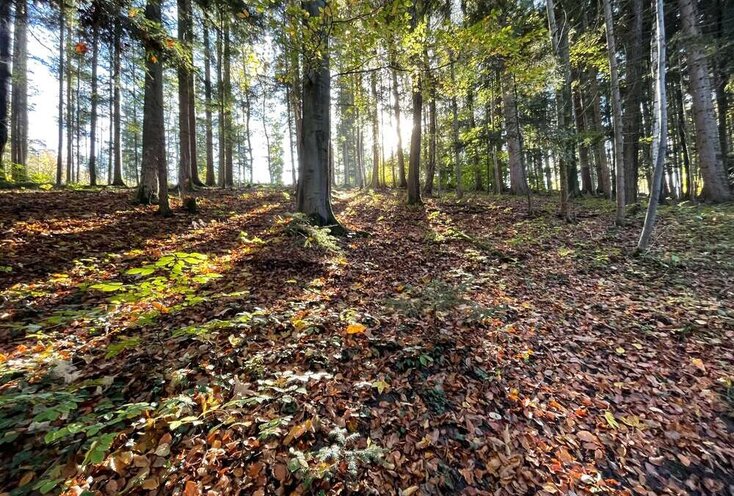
[(356, 328), (191, 489)]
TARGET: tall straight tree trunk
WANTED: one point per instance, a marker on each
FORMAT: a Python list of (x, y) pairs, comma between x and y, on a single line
[(456, 143), (478, 186), (660, 126), (60, 148), (228, 141), (690, 191), (414, 162), (632, 116), (518, 185), (117, 128), (564, 104), (69, 116), (19, 106), (185, 182), (154, 137), (93, 116), (5, 76), (210, 179), (220, 105), (400, 155), (375, 133), (431, 169), (616, 111), (195, 179), (313, 196), (711, 163), (580, 113), (600, 154)]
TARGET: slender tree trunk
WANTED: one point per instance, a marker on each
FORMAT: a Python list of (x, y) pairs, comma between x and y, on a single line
[(185, 182), (210, 179), (60, 149), (19, 106), (518, 186), (69, 114), (93, 116), (228, 141), (456, 143), (400, 155), (414, 162), (313, 197), (5, 77), (600, 153), (660, 126), (711, 163), (220, 107), (632, 118), (578, 103), (117, 127), (375, 133), (431, 169), (616, 112), (690, 191)]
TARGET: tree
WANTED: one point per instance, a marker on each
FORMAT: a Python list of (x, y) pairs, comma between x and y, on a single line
[(60, 146), (186, 134), (210, 180), (93, 117), (313, 195), (616, 111), (19, 105), (660, 128), (5, 76), (715, 183), (117, 126)]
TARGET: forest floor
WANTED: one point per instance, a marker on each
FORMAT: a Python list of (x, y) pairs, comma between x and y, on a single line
[(461, 347)]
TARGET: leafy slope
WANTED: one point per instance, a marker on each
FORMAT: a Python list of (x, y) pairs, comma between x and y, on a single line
[(461, 348)]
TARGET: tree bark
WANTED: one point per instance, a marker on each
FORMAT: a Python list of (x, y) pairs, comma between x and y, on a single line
[(402, 183), (228, 141), (632, 118), (93, 117), (313, 197), (5, 76), (60, 148), (431, 169), (616, 112), (375, 133), (117, 175), (185, 165), (518, 185), (660, 126), (600, 154), (19, 105), (210, 179), (711, 163), (456, 143)]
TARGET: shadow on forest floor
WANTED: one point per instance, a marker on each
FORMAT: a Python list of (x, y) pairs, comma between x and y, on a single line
[(474, 346)]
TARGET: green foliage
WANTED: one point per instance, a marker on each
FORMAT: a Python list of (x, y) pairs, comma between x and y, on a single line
[(324, 463), (314, 236)]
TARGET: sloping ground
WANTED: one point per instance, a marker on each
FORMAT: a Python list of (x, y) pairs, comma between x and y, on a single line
[(465, 347)]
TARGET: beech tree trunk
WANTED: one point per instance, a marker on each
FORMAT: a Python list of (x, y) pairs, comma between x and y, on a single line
[(616, 111), (660, 126), (313, 197), (711, 163)]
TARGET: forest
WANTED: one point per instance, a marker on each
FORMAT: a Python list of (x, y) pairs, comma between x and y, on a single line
[(409, 247)]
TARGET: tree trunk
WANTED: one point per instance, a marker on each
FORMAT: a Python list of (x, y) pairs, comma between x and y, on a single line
[(117, 175), (456, 143), (19, 106), (711, 163), (185, 165), (154, 142), (5, 76), (60, 149), (228, 141), (579, 106), (660, 127), (632, 118), (431, 169), (414, 162), (600, 154), (69, 116), (93, 116), (375, 133), (690, 191), (400, 155), (210, 179), (313, 197), (616, 112), (518, 185), (220, 107)]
